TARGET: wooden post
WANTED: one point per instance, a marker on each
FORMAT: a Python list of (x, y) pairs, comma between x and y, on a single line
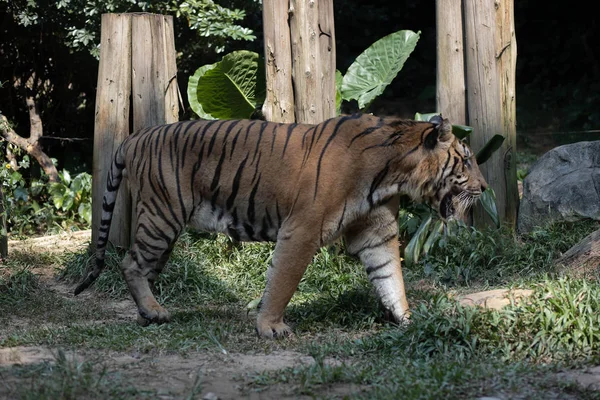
[(137, 60), (506, 56), (111, 125), (154, 80), (327, 57), (450, 86), (314, 91), (279, 101), (483, 96), (490, 56)]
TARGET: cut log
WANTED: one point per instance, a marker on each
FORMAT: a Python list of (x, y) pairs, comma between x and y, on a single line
[(583, 259)]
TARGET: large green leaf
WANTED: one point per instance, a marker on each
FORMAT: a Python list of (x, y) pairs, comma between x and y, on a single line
[(192, 91), (488, 201), (377, 66), (425, 117), (461, 131), (339, 78), (21, 193), (433, 237), (232, 88), (85, 211), (414, 248), (489, 148)]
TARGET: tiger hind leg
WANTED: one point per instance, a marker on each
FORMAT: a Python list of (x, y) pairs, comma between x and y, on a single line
[(139, 276), (142, 265)]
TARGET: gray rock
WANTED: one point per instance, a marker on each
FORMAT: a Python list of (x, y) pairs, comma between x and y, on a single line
[(563, 185)]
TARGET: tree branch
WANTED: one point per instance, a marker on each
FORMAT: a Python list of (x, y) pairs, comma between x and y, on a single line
[(36, 127), (32, 147)]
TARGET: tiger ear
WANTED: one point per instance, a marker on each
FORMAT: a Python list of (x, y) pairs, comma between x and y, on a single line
[(441, 129)]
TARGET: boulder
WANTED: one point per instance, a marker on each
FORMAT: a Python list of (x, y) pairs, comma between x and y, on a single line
[(563, 185)]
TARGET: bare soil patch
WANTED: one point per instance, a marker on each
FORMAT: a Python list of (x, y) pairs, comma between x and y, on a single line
[(210, 375)]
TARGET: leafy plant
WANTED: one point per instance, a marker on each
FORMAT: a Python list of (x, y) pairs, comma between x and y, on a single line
[(73, 195), (233, 88), (79, 22), (33, 205), (376, 67)]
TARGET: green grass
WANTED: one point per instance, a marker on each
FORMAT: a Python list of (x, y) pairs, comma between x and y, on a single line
[(496, 257), (447, 351)]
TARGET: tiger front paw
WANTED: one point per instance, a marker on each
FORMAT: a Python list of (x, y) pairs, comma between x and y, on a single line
[(400, 319), (272, 330), (155, 314)]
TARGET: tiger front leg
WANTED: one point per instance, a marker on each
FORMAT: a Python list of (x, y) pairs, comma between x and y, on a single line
[(138, 277), (375, 242), (291, 257)]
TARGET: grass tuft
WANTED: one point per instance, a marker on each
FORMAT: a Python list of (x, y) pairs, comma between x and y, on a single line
[(496, 257)]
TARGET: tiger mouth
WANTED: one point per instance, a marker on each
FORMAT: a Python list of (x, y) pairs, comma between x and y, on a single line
[(447, 206), (457, 204)]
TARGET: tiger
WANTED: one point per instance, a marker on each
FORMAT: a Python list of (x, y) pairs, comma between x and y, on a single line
[(301, 186)]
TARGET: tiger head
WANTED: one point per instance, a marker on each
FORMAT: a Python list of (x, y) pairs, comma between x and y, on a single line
[(453, 180)]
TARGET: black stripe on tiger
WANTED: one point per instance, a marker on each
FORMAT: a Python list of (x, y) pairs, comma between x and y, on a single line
[(385, 240), (329, 140), (260, 135), (108, 207), (274, 133), (161, 214), (234, 141), (341, 221), (377, 181), (366, 131), (211, 144), (214, 198), (251, 213), (236, 183), (217, 175), (230, 231), (290, 129), (169, 203), (376, 278), (374, 268)]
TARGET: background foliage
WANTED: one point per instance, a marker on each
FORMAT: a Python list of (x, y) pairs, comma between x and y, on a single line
[(57, 41), (48, 50)]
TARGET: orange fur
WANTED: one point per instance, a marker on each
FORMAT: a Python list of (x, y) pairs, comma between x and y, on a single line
[(302, 186)]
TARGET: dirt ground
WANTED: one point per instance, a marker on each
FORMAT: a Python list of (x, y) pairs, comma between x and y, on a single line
[(210, 375), (218, 375)]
